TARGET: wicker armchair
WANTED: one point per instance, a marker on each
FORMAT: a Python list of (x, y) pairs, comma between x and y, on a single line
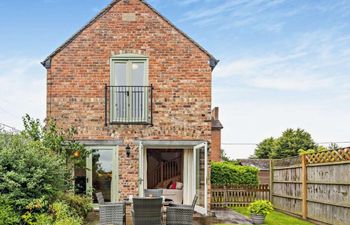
[(179, 216), (110, 213), (147, 211), (153, 192), (195, 198)]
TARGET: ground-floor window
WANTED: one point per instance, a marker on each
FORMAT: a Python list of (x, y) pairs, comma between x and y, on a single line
[(98, 174)]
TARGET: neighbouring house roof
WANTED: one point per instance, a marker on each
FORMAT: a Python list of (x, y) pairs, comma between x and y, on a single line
[(262, 164), (47, 62), (216, 124)]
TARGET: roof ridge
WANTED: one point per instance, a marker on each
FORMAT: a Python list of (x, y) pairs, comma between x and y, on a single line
[(47, 62)]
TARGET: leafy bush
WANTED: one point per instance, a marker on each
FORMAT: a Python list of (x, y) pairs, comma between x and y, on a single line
[(260, 207), (34, 172), (227, 173), (64, 215), (7, 213), (59, 213), (81, 204), (29, 171)]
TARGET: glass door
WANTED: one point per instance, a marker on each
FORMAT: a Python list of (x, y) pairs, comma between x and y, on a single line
[(120, 92), (138, 91), (129, 91), (102, 173), (200, 162)]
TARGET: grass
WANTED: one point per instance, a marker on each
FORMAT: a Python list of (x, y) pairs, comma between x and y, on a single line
[(275, 218)]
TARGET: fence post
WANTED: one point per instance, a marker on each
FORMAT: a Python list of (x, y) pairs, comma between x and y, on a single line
[(225, 196), (304, 186), (271, 180)]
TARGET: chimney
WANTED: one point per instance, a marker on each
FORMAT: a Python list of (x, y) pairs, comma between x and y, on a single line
[(215, 113)]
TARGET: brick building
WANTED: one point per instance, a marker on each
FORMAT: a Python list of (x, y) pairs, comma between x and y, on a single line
[(138, 90), (216, 128)]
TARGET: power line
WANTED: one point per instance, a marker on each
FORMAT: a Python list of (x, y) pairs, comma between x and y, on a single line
[(337, 142), (239, 144), (325, 142), (8, 112), (8, 128)]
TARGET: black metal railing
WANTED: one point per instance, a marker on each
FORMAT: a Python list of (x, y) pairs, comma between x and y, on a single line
[(128, 104)]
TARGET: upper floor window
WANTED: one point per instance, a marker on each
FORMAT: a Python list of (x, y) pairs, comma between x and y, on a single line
[(130, 94)]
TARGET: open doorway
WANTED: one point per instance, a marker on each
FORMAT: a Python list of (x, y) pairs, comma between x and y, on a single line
[(164, 167)]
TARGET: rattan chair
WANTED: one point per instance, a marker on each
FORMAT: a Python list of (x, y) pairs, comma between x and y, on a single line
[(147, 211), (153, 192), (179, 215), (110, 212), (194, 201)]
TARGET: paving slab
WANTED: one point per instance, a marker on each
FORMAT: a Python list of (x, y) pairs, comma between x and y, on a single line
[(220, 217)]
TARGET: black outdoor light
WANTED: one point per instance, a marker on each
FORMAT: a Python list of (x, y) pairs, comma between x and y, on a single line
[(128, 150)]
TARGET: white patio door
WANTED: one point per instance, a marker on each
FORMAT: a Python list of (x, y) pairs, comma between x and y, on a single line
[(142, 180), (200, 162), (102, 173)]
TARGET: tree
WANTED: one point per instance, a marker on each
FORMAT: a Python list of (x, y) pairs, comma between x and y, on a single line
[(291, 142), (264, 148), (333, 146), (226, 158), (57, 140)]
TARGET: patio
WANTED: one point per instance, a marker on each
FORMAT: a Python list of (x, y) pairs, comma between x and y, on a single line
[(221, 217)]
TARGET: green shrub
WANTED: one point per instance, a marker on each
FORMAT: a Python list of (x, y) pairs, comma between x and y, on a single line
[(64, 215), (29, 171), (43, 219), (260, 207), (34, 171), (226, 173), (7, 213), (81, 204), (37, 218)]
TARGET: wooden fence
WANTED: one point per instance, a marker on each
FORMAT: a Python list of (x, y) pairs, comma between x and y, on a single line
[(237, 195), (313, 186)]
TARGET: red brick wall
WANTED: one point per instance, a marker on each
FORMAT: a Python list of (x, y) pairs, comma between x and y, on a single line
[(178, 70), (216, 136), (216, 145)]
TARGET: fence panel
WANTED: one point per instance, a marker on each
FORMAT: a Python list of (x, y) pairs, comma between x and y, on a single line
[(324, 194), (286, 191), (238, 195)]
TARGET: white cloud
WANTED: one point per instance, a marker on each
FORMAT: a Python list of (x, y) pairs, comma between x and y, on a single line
[(252, 121), (294, 82), (23, 90), (310, 61)]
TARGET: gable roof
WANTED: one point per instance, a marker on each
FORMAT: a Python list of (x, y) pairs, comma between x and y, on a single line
[(216, 124), (47, 62)]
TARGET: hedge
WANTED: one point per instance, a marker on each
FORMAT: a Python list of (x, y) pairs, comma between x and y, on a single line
[(227, 173)]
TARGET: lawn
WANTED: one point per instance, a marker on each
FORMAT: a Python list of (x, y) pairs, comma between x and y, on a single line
[(275, 218)]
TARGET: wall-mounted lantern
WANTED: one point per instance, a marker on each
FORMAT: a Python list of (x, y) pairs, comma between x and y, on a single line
[(128, 150)]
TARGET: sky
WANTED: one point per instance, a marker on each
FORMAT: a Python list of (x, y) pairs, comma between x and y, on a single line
[(283, 63)]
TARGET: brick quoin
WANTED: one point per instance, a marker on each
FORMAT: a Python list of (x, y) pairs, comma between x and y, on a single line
[(178, 70)]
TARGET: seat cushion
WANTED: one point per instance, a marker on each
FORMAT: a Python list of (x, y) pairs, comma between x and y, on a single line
[(174, 194)]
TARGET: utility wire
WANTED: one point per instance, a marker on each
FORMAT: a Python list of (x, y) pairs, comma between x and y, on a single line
[(326, 142), (7, 127)]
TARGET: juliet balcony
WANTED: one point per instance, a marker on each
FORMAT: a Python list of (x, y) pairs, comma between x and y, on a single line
[(128, 105)]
